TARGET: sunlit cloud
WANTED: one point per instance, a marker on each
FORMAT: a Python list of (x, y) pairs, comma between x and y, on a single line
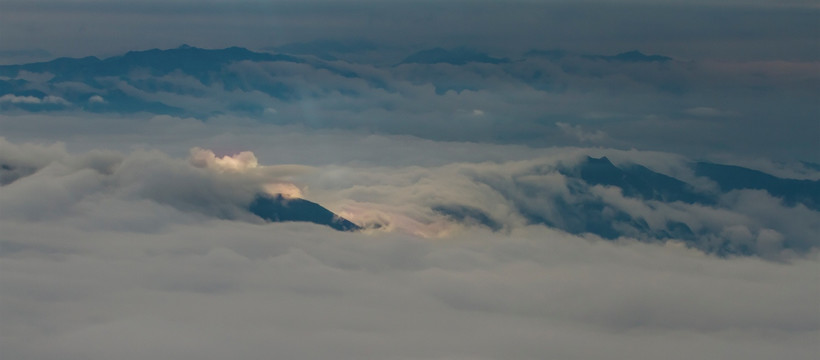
[(285, 189), (240, 162)]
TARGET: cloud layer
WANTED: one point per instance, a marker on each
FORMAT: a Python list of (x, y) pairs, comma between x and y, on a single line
[(121, 255), (137, 252), (541, 98), (562, 189)]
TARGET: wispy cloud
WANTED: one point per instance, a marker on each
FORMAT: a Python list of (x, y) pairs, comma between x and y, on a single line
[(33, 100)]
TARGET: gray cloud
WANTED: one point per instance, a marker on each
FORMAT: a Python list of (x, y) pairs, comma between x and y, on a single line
[(209, 289), (697, 109), (138, 254), (32, 100), (505, 195)]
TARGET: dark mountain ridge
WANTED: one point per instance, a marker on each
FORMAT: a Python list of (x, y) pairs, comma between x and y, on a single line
[(639, 181), (277, 208), (585, 212), (190, 60), (792, 191), (632, 56)]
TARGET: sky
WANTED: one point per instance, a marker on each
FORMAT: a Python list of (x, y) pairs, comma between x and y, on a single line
[(124, 189), (727, 30)]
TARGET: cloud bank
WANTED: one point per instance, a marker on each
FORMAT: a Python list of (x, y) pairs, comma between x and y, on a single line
[(539, 98), (576, 190), (106, 254)]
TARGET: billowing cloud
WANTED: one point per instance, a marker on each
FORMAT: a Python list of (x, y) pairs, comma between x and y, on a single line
[(435, 202), (240, 162), (142, 279), (157, 249), (245, 162)]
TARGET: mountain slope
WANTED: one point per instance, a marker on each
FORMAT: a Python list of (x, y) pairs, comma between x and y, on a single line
[(190, 60), (276, 208), (639, 181), (792, 191)]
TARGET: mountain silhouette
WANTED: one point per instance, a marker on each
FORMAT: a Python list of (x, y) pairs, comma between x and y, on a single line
[(277, 208), (792, 191), (639, 181), (190, 60)]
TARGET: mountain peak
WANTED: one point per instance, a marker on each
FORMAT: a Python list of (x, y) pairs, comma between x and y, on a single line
[(637, 56), (277, 208)]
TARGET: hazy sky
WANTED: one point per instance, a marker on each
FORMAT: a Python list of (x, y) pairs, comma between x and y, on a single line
[(760, 30)]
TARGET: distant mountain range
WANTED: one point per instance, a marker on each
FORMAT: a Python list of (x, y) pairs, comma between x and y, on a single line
[(633, 56), (276, 208), (200, 63), (592, 214), (125, 83), (141, 70), (463, 56), (584, 210)]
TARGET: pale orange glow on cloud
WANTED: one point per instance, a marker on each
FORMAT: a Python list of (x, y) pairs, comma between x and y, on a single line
[(237, 163), (287, 190), (381, 218), (246, 162)]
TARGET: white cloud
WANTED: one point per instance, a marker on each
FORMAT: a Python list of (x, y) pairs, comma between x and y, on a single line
[(240, 162), (508, 193), (143, 255), (96, 99), (33, 100), (210, 289)]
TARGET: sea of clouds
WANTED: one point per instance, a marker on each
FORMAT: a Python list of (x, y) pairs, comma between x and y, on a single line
[(144, 248), (124, 223)]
